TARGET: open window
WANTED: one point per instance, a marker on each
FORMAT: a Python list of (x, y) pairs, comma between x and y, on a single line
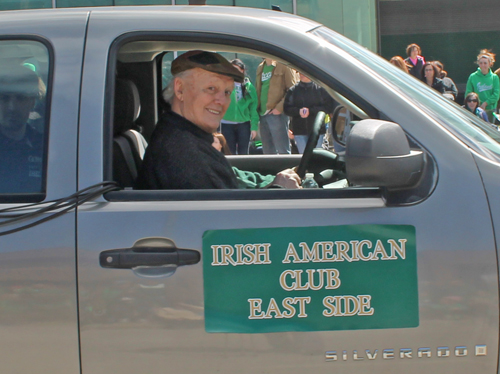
[(139, 71)]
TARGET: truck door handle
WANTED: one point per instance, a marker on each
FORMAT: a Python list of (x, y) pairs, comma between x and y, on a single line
[(129, 258)]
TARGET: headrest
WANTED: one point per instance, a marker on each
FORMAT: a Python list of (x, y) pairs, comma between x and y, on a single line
[(127, 106)]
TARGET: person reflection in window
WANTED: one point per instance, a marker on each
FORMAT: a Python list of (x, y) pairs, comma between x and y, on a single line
[(21, 146)]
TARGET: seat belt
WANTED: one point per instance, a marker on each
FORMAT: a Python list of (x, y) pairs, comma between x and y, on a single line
[(127, 155), (139, 140)]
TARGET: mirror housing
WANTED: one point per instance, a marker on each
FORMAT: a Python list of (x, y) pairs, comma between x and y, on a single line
[(339, 128), (378, 155)]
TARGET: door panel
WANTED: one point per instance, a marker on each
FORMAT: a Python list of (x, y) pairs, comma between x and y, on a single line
[(130, 324), (38, 295)]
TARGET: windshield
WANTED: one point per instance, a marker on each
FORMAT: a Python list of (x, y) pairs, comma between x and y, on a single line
[(475, 132)]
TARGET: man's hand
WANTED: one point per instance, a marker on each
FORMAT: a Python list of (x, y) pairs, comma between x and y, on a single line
[(253, 134), (275, 112), (287, 178), (484, 105)]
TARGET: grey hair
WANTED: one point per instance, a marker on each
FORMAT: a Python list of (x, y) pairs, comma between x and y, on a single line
[(168, 92)]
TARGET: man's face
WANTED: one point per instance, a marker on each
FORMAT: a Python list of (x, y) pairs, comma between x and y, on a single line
[(204, 97), (15, 110)]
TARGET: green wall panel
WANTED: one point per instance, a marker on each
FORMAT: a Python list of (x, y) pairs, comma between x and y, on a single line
[(220, 2), (326, 12), (80, 3), (142, 2), (355, 19), (24, 4), (209, 2), (360, 22), (285, 5)]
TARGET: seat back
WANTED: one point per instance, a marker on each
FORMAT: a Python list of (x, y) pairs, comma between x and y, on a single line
[(128, 144)]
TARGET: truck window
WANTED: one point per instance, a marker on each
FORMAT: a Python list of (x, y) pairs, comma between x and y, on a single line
[(23, 86), (134, 120), (141, 97)]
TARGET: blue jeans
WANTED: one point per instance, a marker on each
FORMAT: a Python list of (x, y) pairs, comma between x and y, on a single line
[(274, 134), (237, 137), (301, 141)]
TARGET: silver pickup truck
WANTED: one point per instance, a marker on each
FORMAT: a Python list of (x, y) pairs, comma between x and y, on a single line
[(390, 266)]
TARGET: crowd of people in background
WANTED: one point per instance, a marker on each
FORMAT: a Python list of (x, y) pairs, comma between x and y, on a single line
[(482, 91), (283, 104)]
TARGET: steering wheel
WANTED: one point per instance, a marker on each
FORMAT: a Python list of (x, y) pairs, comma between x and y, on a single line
[(311, 144)]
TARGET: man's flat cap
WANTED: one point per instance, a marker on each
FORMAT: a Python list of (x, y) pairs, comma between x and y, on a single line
[(208, 61)]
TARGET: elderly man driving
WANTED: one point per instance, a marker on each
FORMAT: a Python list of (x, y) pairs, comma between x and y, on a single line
[(180, 154)]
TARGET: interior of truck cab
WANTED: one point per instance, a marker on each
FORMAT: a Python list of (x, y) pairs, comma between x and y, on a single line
[(139, 73)]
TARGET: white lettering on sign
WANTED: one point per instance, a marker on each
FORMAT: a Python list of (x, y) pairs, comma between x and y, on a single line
[(316, 278), (241, 254), (296, 280), (338, 251), (346, 306), (273, 310)]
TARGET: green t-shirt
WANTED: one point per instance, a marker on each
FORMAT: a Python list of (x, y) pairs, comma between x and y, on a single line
[(252, 180), (267, 73)]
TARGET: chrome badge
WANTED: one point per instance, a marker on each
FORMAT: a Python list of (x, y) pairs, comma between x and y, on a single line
[(405, 353)]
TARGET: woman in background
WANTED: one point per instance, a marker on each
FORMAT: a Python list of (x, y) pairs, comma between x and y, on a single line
[(414, 60), (450, 89), (241, 117), (430, 75), (399, 62), (472, 104), (220, 143), (485, 83)]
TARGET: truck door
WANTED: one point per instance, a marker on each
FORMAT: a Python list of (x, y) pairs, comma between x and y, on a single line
[(40, 81), (273, 281)]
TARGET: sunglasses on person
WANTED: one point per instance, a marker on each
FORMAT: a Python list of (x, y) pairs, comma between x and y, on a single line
[(471, 100)]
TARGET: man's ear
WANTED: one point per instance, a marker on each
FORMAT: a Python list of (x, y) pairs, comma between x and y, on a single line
[(178, 89)]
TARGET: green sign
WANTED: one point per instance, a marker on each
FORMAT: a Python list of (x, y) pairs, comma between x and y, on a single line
[(310, 278)]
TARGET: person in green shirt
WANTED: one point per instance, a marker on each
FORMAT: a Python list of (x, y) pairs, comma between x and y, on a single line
[(241, 117), (485, 83)]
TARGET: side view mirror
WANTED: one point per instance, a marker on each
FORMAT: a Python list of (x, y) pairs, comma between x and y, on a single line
[(378, 155), (341, 124)]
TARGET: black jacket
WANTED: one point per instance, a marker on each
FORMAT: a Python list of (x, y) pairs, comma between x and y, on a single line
[(306, 95), (21, 166), (181, 156), (415, 70), (437, 84), (450, 87)]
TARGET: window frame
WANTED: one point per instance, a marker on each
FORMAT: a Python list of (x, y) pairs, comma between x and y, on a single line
[(203, 195), (34, 197)]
